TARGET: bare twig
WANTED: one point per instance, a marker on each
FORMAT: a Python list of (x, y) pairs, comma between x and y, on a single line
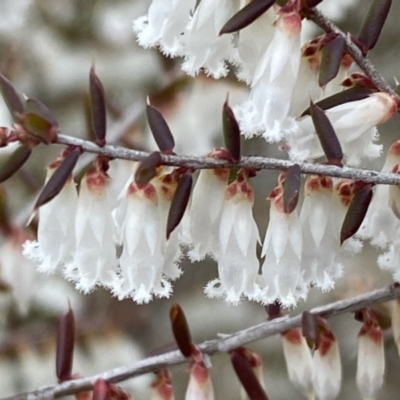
[(363, 62), (253, 162), (215, 346)]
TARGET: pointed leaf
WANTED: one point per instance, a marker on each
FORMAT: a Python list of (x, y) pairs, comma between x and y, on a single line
[(65, 346), (332, 54), (98, 107), (291, 188), (58, 179), (39, 127), (231, 132), (180, 329), (310, 329), (246, 15), (160, 129), (17, 159), (281, 3), (356, 212), (11, 96), (37, 107), (373, 23), (352, 94), (179, 202), (247, 377), (326, 135), (147, 169)]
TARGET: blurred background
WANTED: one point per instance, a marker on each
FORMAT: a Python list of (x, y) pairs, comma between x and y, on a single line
[(46, 49)]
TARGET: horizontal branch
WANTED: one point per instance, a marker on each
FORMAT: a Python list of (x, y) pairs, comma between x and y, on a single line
[(363, 62), (254, 162), (211, 347)]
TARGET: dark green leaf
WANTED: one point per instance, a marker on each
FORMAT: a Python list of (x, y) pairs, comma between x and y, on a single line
[(291, 188), (231, 132), (160, 129), (310, 328), (356, 212), (65, 346), (326, 135), (180, 329), (179, 202), (247, 15), (332, 54), (147, 169), (98, 107), (15, 162), (373, 23), (39, 127), (37, 107)]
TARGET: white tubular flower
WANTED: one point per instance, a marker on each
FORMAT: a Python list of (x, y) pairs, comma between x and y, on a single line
[(17, 271), (55, 236), (318, 216), (371, 357), (94, 260), (282, 249), (205, 211), (379, 224), (163, 25), (249, 48), (203, 48), (273, 81), (238, 236), (298, 360), (354, 124), (141, 261), (327, 368), (396, 323), (200, 386)]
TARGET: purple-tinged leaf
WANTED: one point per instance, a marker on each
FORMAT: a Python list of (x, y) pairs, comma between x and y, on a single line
[(310, 328), (332, 54), (38, 127), (246, 16), (347, 96), (247, 377), (98, 108), (15, 162), (147, 169), (291, 188), (356, 212), (11, 96), (65, 346), (326, 135), (37, 107), (231, 132), (179, 202), (160, 129), (180, 329), (311, 3), (273, 310), (58, 179), (373, 23)]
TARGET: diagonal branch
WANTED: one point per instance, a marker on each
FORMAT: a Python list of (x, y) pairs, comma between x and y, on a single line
[(211, 347), (253, 162), (363, 62)]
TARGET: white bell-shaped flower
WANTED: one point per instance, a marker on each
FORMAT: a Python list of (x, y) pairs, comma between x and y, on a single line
[(238, 236), (55, 236), (203, 48), (163, 25), (355, 126), (282, 249), (205, 212), (273, 81), (380, 224), (141, 260), (94, 260), (298, 360)]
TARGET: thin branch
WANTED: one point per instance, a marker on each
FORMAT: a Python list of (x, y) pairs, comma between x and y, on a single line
[(211, 347), (254, 162), (363, 62)]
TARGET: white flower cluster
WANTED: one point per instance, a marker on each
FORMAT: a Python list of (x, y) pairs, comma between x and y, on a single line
[(282, 75)]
